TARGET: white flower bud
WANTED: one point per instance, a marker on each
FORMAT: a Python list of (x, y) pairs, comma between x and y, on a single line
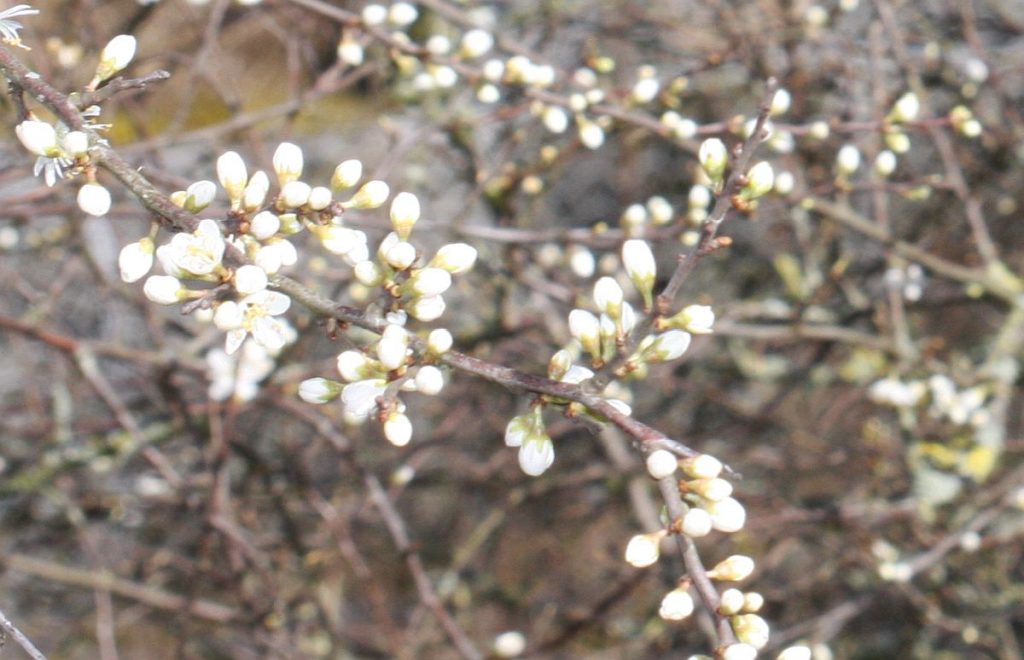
[(392, 347), (731, 602), (232, 174), (697, 523), (439, 341), (608, 296), (401, 255), (751, 629), (517, 429), (256, 190), (638, 260), (135, 260), (199, 195), (906, 108), (320, 197), (784, 183), (702, 466), (582, 262), (350, 51), (667, 346), (371, 195), (645, 90), (228, 316), (295, 194), (885, 163), (429, 380), (714, 490), (780, 102), (559, 365), (347, 174), (405, 211), (368, 273), (353, 366), (795, 653), (428, 282), (250, 279), (714, 158), (76, 143), (660, 210), (398, 429), (732, 569), (476, 43), (287, 163), (739, 652), (699, 197), (509, 644), (116, 55), (340, 240), (848, 159), (676, 605), (401, 14), (264, 225), (428, 308), (94, 199), (360, 397), (591, 134), (555, 119), (644, 549), (438, 44), (319, 390), (456, 258), (163, 289), (374, 14), (661, 464), (760, 180), (752, 601), (695, 319), (536, 455), (727, 515)]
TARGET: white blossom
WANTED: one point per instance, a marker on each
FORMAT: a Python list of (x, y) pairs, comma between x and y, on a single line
[(360, 397), (254, 314), (536, 454)]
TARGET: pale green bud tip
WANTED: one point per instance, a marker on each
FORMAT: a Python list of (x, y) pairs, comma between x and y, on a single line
[(760, 180), (638, 260), (795, 653), (94, 199), (739, 652), (287, 163), (676, 605), (319, 390), (644, 549), (116, 55), (713, 158), (661, 464), (398, 429), (608, 296), (439, 341), (751, 629), (39, 137), (509, 644), (733, 569), (405, 211), (517, 430), (163, 289)]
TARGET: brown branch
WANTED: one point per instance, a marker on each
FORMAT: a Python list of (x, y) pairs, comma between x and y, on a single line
[(6, 626)]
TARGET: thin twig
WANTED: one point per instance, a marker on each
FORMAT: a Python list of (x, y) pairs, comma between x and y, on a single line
[(24, 642)]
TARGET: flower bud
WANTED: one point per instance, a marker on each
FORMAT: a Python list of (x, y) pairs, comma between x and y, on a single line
[(350, 51), (714, 490), (733, 569), (752, 601), (536, 454), (780, 102), (905, 109), (428, 282), (94, 199), (795, 653), (233, 175), (371, 195), (661, 463), (714, 158), (199, 195), (368, 273), (739, 652), (695, 319), (401, 255), (638, 260), (319, 390), (751, 629), (885, 163), (347, 174), (256, 190), (697, 523), (264, 225), (760, 180), (702, 466), (608, 297), (476, 43), (439, 341), (405, 211), (848, 159), (731, 602), (428, 308), (320, 197), (644, 549), (591, 134), (585, 328), (287, 163), (392, 347), (509, 644), (76, 143), (429, 380), (250, 279), (456, 258), (665, 347), (116, 55), (398, 429), (294, 195), (164, 289), (517, 429), (727, 515), (360, 397), (135, 260), (676, 605)]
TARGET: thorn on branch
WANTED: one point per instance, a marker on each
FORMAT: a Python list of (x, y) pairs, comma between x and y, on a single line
[(116, 86)]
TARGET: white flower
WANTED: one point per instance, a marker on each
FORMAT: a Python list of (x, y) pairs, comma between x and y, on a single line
[(318, 390), (536, 454), (360, 397), (197, 254), (116, 55), (94, 199), (287, 164), (429, 380), (398, 429), (254, 314), (164, 289), (347, 174), (456, 258), (135, 260), (237, 376), (8, 28), (250, 279), (676, 605), (39, 137), (732, 569), (644, 549), (661, 464), (713, 157)]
